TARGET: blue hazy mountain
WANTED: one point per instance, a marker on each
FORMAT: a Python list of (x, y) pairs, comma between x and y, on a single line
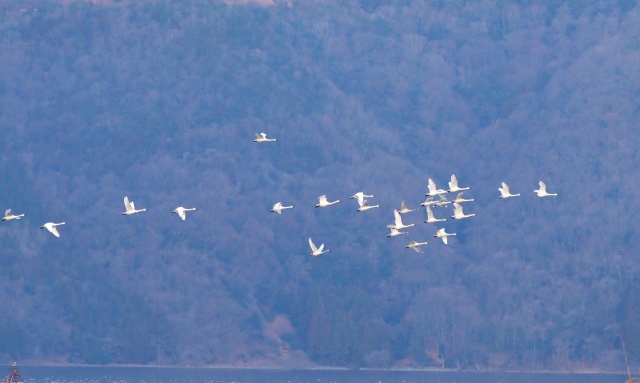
[(160, 101)]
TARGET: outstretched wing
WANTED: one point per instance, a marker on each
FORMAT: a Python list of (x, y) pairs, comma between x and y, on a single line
[(52, 229), (182, 214), (457, 209), (543, 187), (398, 218), (313, 247), (322, 199), (453, 184), (7, 213), (445, 240), (127, 205), (321, 247)]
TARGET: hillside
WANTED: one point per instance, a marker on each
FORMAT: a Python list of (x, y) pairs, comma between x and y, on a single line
[(160, 101)]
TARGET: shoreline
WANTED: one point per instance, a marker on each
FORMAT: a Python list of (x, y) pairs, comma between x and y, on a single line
[(319, 368)]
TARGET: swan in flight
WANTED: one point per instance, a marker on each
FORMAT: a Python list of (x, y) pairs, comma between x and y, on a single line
[(278, 208), (416, 246), (433, 191), (431, 218), (360, 196), (443, 234), (461, 199), (315, 251), (443, 201), (8, 216), (52, 228), (364, 205), (394, 232), (428, 202), (398, 221), (130, 207), (542, 192), (182, 211), (458, 214), (322, 201), (405, 209), (453, 185), (262, 137), (504, 192)]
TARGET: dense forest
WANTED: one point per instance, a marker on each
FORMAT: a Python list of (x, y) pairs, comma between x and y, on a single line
[(160, 101)]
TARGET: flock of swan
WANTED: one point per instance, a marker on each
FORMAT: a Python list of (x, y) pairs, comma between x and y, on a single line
[(395, 228)]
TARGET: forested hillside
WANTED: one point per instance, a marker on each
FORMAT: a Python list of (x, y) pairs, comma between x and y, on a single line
[(160, 101)]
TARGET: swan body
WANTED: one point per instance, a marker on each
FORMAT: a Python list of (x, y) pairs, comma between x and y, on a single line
[(398, 221), (461, 199), (278, 208), (394, 232), (416, 246), (431, 218), (322, 201), (458, 213), (404, 209), (542, 192), (182, 211), (433, 191), (505, 193), (428, 202), (443, 234), (130, 207), (443, 201), (315, 251), (8, 216), (52, 228), (360, 196), (262, 137), (364, 205), (453, 185)]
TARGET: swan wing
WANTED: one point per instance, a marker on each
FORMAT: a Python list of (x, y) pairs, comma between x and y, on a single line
[(321, 247), (543, 187), (7, 213), (453, 184), (430, 216), (322, 199), (127, 204), (182, 214), (457, 209), (398, 218), (52, 229), (313, 247)]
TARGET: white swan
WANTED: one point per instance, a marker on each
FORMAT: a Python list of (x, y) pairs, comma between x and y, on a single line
[(130, 207), (428, 202), (453, 185), (443, 201), (52, 228), (504, 192), (542, 192), (458, 214), (443, 234), (416, 246), (278, 208), (433, 191), (431, 218), (262, 137), (182, 211), (315, 251), (461, 199), (394, 232), (360, 196), (398, 221), (8, 216), (405, 209), (364, 205), (322, 201)]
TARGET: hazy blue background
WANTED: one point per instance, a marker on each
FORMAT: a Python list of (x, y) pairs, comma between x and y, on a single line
[(160, 101)]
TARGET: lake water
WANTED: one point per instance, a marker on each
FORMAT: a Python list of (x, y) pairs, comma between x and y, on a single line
[(34, 374)]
